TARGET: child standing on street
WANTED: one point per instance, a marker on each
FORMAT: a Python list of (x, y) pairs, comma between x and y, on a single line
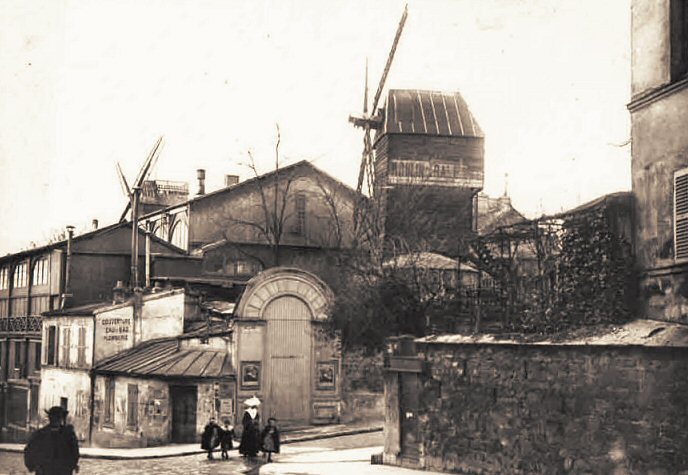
[(270, 439), (226, 440)]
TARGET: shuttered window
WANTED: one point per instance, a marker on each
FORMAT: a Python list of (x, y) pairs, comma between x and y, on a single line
[(81, 355), (64, 353), (132, 405), (51, 349), (681, 214), (109, 413)]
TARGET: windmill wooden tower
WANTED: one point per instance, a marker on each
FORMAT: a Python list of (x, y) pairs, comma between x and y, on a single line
[(133, 194), (424, 165)]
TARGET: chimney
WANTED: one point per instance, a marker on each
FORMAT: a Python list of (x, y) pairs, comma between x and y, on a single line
[(200, 173), (119, 292), (66, 296), (94, 224), (231, 180)]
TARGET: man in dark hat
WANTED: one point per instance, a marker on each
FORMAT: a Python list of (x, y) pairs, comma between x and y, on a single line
[(53, 449)]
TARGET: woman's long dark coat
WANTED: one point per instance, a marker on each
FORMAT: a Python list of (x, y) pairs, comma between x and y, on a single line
[(250, 436)]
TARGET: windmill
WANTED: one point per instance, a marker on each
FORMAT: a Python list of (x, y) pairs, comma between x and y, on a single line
[(133, 194), (373, 121)]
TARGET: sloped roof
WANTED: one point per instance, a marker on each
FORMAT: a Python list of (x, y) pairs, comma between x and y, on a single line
[(90, 235), (646, 333), (427, 260), (411, 111), (494, 213), (164, 358), (303, 165)]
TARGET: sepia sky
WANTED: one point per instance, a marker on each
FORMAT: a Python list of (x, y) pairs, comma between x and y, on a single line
[(86, 84)]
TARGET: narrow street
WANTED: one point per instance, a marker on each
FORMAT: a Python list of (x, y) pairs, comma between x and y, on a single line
[(12, 463)]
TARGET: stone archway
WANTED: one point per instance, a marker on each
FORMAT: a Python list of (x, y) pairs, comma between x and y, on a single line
[(286, 303)]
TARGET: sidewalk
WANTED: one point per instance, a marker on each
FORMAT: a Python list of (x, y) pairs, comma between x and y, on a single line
[(177, 450), (332, 462)]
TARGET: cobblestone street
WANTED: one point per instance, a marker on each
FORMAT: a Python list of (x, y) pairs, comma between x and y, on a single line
[(12, 463)]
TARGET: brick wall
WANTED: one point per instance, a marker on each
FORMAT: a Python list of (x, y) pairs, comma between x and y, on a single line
[(554, 409)]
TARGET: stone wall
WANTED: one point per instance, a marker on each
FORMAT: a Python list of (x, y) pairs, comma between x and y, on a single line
[(362, 387), (553, 409)]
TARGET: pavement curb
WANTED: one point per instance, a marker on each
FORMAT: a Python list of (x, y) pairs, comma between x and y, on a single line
[(287, 440)]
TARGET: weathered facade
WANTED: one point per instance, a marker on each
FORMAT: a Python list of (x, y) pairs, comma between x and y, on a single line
[(77, 339), (284, 353), (429, 162), (153, 368), (61, 275), (612, 403), (659, 114), (164, 390)]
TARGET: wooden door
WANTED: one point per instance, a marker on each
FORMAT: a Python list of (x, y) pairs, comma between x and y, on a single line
[(408, 416), (183, 401), (288, 360)]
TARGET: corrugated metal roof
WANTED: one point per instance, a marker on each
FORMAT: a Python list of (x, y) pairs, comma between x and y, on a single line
[(640, 332), (163, 358), (411, 111)]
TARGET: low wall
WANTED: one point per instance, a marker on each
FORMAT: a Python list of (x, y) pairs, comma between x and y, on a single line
[(362, 388), (493, 408)]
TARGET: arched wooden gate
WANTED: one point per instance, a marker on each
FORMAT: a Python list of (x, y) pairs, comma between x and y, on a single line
[(280, 345)]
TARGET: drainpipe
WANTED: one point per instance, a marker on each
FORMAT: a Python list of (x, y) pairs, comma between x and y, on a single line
[(92, 376), (148, 253), (134, 280), (67, 287)]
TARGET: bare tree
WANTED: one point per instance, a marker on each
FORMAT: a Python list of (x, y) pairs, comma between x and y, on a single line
[(268, 217)]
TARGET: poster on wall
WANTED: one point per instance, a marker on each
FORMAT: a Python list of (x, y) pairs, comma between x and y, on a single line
[(326, 375), (250, 375)]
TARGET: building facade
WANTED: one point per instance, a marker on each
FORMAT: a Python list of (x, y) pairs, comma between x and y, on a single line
[(659, 115), (68, 273), (153, 368)]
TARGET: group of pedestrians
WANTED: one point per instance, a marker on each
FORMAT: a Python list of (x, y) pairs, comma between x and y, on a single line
[(253, 439), (54, 449)]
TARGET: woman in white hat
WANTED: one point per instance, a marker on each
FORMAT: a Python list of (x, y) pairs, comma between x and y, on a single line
[(250, 435)]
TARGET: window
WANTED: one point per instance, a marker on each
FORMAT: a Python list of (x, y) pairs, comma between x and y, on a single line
[(4, 308), (40, 272), (51, 350), (4, 281), (18, 354), (64, 353), (679, 39), (681, 214), (19, 279), (299, 227), (132, 405), (81, 355), (180, 233), (37, 356), (109, 416)]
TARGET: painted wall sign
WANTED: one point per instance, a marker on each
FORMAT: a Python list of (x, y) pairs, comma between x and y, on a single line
[(116, 328)]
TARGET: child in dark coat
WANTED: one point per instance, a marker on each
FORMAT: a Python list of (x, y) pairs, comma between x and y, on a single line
[(226, 437), (270, 439), (210, 438)]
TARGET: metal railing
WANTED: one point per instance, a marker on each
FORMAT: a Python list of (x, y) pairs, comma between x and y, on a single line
[(20, 325)]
